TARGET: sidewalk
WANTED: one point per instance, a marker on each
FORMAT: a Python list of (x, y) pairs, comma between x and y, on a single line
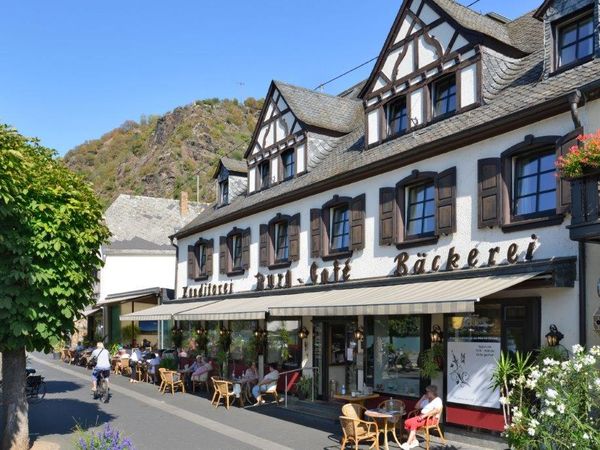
[(154, 420)]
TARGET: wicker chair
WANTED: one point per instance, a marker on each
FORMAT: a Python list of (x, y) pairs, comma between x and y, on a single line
[(396, 423), (125, 367), (214, 381), (272, 392), (172, 380), (224, 391), (356, 431), (353, 411), (432, 423)]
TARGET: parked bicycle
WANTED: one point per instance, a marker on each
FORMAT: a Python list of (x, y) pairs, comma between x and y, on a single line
[(35, 386)]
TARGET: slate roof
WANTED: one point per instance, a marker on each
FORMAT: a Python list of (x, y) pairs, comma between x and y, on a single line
[(234, 165), (326, 111), (145, 223), (519, 89)]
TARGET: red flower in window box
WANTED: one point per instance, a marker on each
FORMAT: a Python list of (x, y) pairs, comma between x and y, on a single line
[(582, 158)]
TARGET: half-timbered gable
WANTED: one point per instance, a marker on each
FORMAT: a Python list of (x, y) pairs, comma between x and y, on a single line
[(296, 130), (431, 66)]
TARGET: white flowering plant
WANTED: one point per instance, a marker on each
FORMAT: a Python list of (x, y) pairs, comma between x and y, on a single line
[(553, 404)]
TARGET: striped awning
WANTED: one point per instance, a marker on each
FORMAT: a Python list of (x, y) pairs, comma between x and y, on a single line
[(160, 312), (430, 297), (427, 297), (250, 308)]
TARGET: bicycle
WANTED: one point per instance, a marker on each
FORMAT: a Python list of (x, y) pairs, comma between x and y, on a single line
[(102, 388), (35, 386)]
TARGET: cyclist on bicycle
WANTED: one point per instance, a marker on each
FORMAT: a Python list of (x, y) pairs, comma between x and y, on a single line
[(102, 357)]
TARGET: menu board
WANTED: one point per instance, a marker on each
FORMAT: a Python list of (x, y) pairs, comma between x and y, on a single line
[(470, 368)]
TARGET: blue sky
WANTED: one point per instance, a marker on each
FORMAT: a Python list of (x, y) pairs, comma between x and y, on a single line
[(71, 70)]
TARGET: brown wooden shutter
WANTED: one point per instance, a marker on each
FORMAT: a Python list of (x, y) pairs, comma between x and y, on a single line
[(446, 201), (209, 248), (246, 248), (387, 196), (315, 233), (326, 230), (357, 224), (223, 254), (191, 262), (563, 188), (401, 204), (263, 246), (294, 237), (489, 192)]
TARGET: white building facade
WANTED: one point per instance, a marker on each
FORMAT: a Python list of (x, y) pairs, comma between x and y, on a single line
[(420, 209)]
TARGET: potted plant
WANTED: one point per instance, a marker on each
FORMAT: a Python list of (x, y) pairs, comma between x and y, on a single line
[(303, 387), (130, 334), (431, 362), (582, 158), (168, 363)]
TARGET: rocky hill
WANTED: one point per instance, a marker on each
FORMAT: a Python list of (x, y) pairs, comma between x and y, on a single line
[(159, 156)]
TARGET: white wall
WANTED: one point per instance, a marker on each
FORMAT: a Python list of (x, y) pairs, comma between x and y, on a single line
[(377, 261), (123, 273)]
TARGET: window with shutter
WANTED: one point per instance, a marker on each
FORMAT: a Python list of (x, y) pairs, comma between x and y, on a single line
[(315, 233), (387, 198), (357, 233), (446, 202), (223, 255), (263, 246), (532, 195), (294, 237), (489, 192), (209, 257), (191, 262), (246, 249)]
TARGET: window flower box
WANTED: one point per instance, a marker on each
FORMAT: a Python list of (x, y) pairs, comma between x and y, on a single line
[(581, 166)]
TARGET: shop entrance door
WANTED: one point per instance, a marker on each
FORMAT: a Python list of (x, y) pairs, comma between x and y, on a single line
[(334, 353)]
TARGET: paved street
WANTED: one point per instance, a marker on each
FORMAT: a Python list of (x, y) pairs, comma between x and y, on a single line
[(155, 421)]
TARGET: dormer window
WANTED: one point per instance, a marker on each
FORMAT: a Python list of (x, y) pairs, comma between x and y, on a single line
[(397, 117), (263, 175), (575, 40), (444, 96), (288, 162), (224, 192)]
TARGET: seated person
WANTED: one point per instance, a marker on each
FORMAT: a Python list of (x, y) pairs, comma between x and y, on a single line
[(431, 408), (268, 382), (200, 367), (153, 369), (251, 374)]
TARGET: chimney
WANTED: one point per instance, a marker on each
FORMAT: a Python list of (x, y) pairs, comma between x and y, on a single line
[(183, 203)]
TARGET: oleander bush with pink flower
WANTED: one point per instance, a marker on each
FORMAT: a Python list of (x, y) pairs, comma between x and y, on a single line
[(582, 157), (553, 404)]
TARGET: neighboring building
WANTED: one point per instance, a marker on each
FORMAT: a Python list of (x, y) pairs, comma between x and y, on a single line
[(138, 263), (423, 199)]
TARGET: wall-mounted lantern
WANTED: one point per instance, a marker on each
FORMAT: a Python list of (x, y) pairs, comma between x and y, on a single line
[(359, 334), (436, 335), (554, 337), (303, 333)]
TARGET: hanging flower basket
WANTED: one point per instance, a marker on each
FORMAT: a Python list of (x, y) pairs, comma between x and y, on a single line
[(582, 159)]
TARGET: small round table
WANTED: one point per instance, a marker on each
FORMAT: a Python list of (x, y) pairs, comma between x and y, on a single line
[(385, 416)]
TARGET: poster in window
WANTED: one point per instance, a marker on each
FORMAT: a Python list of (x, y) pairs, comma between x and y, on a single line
[(469, 373)]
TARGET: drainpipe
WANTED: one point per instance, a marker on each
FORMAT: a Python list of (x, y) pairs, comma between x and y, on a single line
[(574, 99)]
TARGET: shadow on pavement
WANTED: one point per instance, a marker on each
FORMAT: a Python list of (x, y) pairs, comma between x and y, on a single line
[(58, 387), (62, 416)]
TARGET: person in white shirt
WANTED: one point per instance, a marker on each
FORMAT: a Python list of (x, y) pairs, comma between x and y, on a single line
[(102, 357), (153, 366), (268, 382), (134, 360), (431, 408)]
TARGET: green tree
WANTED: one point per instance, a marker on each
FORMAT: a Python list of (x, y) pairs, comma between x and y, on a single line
[(50, 237)]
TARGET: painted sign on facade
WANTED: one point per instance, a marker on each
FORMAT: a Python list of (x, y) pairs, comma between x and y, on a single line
[(470, 368)]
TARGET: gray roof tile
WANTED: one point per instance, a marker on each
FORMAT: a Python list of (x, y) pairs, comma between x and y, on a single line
[(329, 112)]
